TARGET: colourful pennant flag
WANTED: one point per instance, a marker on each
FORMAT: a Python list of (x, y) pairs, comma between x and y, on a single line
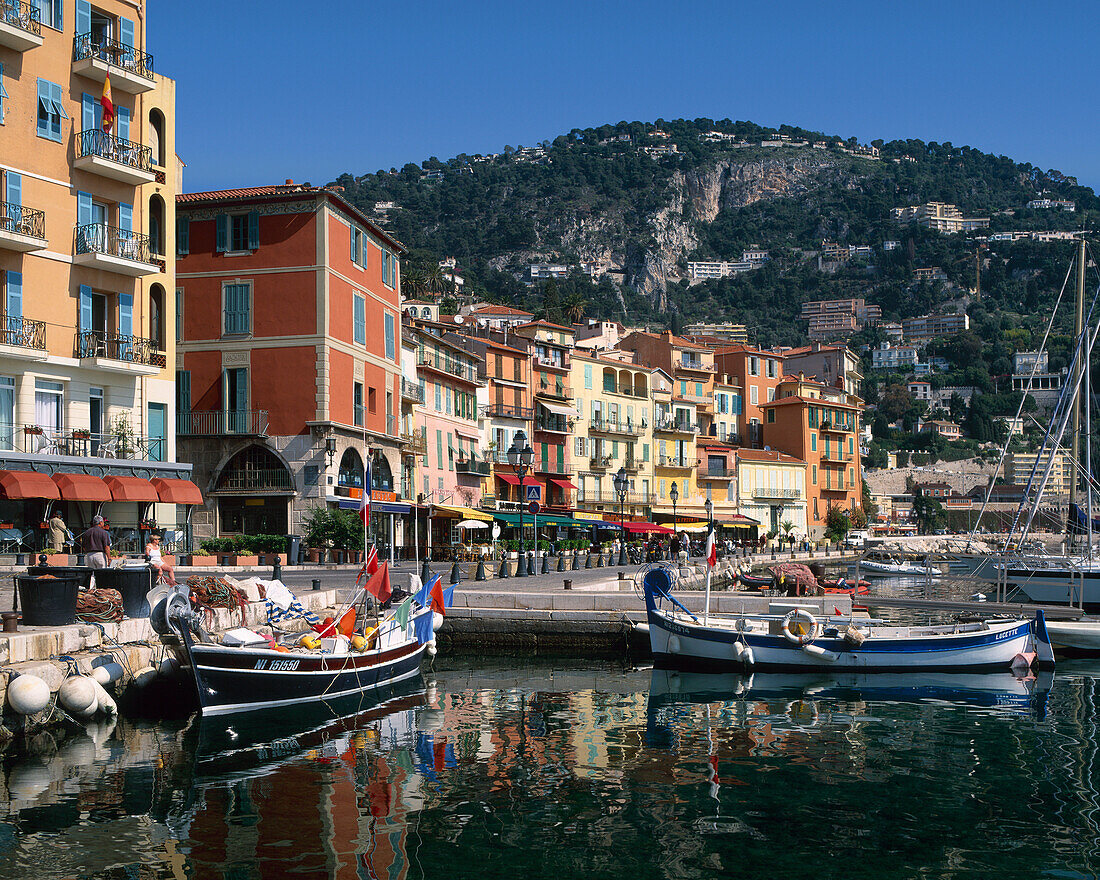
[(379, 584), (403, 611), (109, 109)]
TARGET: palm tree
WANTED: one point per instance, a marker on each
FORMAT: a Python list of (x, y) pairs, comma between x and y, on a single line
[(574, 306), (433, 276), (413, 282)]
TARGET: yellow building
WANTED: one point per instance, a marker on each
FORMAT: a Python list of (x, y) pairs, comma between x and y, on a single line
[(771, 488), (1019, 465), (612, 431), (87, 261)]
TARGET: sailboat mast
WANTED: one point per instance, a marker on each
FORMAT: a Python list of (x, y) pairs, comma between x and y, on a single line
[(1078, 328)]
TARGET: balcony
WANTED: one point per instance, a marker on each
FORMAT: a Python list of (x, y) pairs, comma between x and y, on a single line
[(22, 229), (609, 426), (411, 391), (507, 411), (116, 250), (671, 426), (558, 468), (465, 372), (83, 443), (110, 156), (552, 424), (631, 465), (766, 494), (20, 28), (131, 71), (672, 461), (835, 456), (549, 363), (555, 389), (696, 366), (471, 467), (835, 487), (255, 480), (608, 496), (415, 442), (716, 473), (835, 427), (599, 462), (119, 354), (23, 339), (216, 423)]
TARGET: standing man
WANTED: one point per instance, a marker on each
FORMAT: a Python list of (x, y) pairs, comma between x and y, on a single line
[(97, 544), (58, 532)]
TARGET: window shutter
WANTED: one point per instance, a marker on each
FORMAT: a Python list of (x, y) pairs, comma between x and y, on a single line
[(85, 307), (125, 314), (183, 391), (83, 208), (123, 122), (391, 342), (15, 188), (183, 236), (126, 32), (83, 17), (253, 230), (221, 233), (15, 295), (59, 111), (44, 103), (3, 93), (58, 15), (126, 217), (88, 106)]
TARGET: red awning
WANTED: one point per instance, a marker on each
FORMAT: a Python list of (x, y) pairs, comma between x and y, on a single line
[(131, 489), (16, 485), (645, 528), (509, 479), (176, 491), (565, 484), (82, 487)]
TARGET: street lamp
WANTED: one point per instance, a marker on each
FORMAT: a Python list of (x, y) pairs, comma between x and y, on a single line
[(520, 457), (674, 494), (620, 481)]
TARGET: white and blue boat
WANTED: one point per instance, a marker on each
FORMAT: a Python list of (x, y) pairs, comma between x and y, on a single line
[(798, 640)]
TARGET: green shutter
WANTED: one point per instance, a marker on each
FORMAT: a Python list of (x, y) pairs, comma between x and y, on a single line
[(183, 236), (253, 230), (221, 233)]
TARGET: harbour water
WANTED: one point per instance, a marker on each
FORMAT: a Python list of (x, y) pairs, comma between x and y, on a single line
[(592, 771)]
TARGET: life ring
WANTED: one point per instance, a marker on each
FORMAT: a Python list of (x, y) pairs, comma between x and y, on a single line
[(804, 636)]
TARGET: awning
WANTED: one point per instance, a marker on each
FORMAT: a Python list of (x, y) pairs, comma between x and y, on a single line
[(565, 484), (131, 489), (462, 513), (558, 409), (737, 521), (468, 433), (81, 487), (375, 507), (644, 528), (16, 485), (544, 519), (514, 481), (176, 491)]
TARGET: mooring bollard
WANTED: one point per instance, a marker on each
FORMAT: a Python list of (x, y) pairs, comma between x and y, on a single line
[(11, 621), (277, 570), (561, 562), (504, 572), (599, 559), (456, 574), (316, 583), (545, 563), (480, 576), (425, 572), (567, 584), (587, 560)]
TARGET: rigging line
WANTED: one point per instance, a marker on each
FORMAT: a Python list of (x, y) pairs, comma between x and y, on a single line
[(1030, 379)]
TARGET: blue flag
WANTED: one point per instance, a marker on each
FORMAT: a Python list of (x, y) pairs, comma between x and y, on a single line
[(423, 595), (423, 625), (449, 596)]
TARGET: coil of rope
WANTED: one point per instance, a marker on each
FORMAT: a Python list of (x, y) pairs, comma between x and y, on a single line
[(209, 593), (99, 606)]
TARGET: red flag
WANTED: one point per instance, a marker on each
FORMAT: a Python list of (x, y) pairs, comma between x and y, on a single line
[(712, 550), (437, 597), (108, 105), (371, 565), (836, 611), (379, 584)]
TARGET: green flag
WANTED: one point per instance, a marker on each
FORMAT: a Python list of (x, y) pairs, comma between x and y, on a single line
[(402, 613)]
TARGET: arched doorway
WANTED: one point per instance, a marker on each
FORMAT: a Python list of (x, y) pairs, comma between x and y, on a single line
[(253, 491), (350, 475)]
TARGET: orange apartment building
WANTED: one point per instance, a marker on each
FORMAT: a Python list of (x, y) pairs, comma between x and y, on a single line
[(289, 366), (757, 372), (819, 424), (87, 245)]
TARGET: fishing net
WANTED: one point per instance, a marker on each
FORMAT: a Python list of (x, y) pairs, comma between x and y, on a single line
[(99, 606)]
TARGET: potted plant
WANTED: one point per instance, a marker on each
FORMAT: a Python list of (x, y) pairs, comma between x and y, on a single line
[(33, 430), (243, 552), (320, 532), (124, 432), (203, 558), (82, 434), (56, 557)]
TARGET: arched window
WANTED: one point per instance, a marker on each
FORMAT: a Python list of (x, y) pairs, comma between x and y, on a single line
[(255, 469), (156, 224), (351, 470), (380, 475), (425, 312), (156, 137), (156, 317)]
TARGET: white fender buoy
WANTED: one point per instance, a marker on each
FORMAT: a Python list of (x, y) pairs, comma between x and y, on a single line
[(818, 651), (107, 673), (738, 651), (674, 644), (78, 752), (437, 621), (28, 779), (749, 657), (105, 702), (431, 649), (77, 696), (144, 676), (28, 694)]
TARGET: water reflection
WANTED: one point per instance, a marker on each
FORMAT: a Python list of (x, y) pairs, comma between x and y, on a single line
[(571, 771)]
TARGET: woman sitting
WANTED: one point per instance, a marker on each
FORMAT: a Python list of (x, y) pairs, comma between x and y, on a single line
[(163, 568)]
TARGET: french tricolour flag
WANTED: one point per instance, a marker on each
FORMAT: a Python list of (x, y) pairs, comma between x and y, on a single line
[(712, 550), (364, 502)]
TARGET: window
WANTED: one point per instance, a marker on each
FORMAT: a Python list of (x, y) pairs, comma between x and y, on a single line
[(771, 369), (237, 233), (391, 337), (771, 416), (439, 450), (389, 269), (588, 375), (372, 399), (815, 483), (49, 13), (7, 413), (49, 405), (771, 395), (813, 443), (698, 389), (359, 318), (158, 431), (754, 366), (50, 111), (357, 404), (358, 247), (754, 395), (156, 317), (179, 315), (238, 308), (438, 397)]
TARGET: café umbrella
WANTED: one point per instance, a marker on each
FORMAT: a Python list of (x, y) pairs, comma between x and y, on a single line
[(473, 524)]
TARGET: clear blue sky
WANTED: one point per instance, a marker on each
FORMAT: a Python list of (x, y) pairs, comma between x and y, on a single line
[(273, 90)]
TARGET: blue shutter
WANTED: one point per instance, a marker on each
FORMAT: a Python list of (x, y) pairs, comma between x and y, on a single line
[(83, 17), (44, 103), (15, 296), (88, 105), (125, 217), (183, 391), (253, 230), (125, 314), (3, 93), (391, 348), (221, 233), (83, 208), (354, 246), (59, 111), (58, 15), (123, 122), (360, 319), (183, 236), (85, 307), (126, 32), (15, 188)]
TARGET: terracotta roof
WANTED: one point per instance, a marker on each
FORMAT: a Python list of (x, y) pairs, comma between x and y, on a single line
[(679, 341), (768, 455), (418, 302), (545, 324), (500, 310)]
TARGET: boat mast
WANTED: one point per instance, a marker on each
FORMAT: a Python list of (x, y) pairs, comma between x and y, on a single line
[(1078, 329)]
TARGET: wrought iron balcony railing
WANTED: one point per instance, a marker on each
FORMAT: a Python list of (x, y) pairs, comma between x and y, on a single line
[(253, 479), (553, 424), (671, 426), (599, 462), (416, 441), (97, 238), (129, 349), (23, 333), (507, 411), (614, 426), (21, 219), (96, 142), (555, 389), (672, 461), (412, 391), (113, 52), (609, 496), (214, 423), (24, 16), (779, 494), (472, 467), (83, 443), (467, 372)]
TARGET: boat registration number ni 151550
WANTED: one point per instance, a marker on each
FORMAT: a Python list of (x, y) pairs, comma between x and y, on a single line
[(278, 665)]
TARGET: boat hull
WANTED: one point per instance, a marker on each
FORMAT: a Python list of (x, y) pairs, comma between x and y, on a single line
[(1054, 586), (708, 648)]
